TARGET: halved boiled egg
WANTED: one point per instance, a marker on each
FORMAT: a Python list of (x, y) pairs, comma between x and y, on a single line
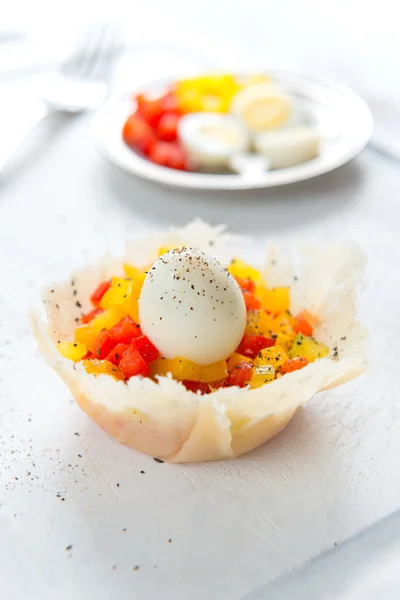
[(191, 307), (262, 107), (211, 138), (288, 147)]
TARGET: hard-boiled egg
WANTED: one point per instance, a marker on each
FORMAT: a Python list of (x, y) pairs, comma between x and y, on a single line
[(288, 147), (211, 138), (262, 107), (191, 307)]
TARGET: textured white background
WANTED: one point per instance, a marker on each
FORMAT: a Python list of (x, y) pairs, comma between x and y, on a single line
[(233, 526)]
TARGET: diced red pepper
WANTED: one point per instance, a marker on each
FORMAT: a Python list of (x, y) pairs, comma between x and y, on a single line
[(169, 102), (90, 315), (103, 344), (169, 154), (251, 301), (251, 345), (149, 109), (167, 129), (138, 134), (99, 293), (125, 330), (197, 386), (146, 349), (132, 363), (240, 375), (116, 353), (247, 285), (293, 364)]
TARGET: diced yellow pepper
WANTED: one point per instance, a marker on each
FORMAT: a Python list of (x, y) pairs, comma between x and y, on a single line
[(137, 275), (308, 348), (237, 358), (86, 335), (258, 323), (102, 367), (120, 289), (206, 93), (131, 307), (214, 372), (262, 375), (275, 356), (179, 368), (281, 329), (107, 319), (277, 327), (123, 295), (182, 369), (274, 300), (238, 268), (73, 351)]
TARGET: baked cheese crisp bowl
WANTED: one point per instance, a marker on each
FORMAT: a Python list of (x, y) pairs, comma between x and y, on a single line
[(183, 351)]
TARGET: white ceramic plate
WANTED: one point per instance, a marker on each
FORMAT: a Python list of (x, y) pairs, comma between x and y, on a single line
[(341, 116)]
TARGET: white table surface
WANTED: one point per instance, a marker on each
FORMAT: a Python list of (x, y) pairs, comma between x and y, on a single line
[(237, 528)]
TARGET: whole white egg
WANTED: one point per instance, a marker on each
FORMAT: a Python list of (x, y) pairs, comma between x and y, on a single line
[(191, 307)]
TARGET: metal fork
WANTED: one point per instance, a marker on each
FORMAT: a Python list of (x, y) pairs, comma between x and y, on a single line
[(80, 84)]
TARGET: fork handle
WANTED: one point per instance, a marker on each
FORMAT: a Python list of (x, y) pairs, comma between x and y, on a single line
[(16, 130)]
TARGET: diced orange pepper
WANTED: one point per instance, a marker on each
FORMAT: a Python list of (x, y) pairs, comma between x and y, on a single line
[(213, 372), (293, 364), (237, 358), (251, 301), (178, 367), (86, 335), (247, 285), (102, 367), (305, 323)]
